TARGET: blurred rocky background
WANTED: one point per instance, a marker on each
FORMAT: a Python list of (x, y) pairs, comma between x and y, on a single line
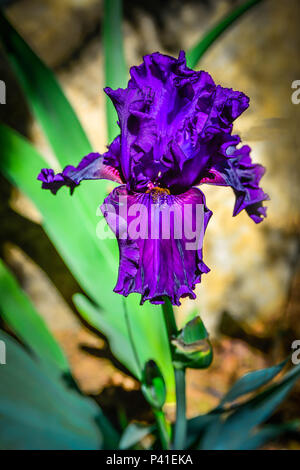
[(250, 299)]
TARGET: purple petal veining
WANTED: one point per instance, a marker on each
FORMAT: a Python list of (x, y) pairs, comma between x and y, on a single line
[(175, 133), (153, 262)]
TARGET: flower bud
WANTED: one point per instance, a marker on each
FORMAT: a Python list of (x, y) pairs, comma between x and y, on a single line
[(193, 348), (153, 385)]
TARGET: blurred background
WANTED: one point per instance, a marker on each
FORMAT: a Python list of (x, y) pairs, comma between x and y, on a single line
[(250, 299)]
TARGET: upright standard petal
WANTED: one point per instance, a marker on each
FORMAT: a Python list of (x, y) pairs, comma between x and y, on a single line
[(171, 119), (92, 166), (160, 241)]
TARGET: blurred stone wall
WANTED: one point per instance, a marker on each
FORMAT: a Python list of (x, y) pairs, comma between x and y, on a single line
[(251, 266)]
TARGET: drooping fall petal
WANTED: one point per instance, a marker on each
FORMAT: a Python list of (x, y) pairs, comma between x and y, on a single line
[(234, 168), (160, 240), (92, 166)]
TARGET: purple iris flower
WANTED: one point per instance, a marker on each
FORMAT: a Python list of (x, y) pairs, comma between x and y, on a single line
[(175, 134)]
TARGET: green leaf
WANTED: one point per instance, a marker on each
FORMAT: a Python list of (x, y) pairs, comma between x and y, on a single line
[(153, 385), (51, 109), (133, 434), (71, 222), (18, 312), (233, 433), (214, 421), (148, 343), (113, 327), (267, 434), (45, 96), (195, 53), (38, 411), (252, 381), (114, 65), (63, 220), (89, 258), (196, 427), (111, 437)]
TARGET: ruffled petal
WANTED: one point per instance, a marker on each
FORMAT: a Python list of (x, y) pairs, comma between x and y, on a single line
[(171, 120), (233, 167), (160, 241), (92, 166)]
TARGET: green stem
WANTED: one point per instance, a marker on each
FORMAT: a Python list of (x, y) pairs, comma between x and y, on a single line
[(162, 427), (169, 318), (180, 424), (194, 55), (160, 418)]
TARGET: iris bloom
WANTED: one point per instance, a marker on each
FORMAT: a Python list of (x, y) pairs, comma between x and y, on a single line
[(175, 134)]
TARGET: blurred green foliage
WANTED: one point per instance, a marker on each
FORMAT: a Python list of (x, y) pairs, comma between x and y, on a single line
[(39, 408), (71, 222)]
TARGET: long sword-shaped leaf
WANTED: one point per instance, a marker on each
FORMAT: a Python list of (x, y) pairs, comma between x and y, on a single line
[(88, 258), (18, 312), (21, 316), (50, 107), (63, 220), (38, 411), (195, 53), (269, 433), (233, 433), (116, 330), (252, 381), (82, 206), (115, 66), (45, 96), (60, 124), (248, 383)]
